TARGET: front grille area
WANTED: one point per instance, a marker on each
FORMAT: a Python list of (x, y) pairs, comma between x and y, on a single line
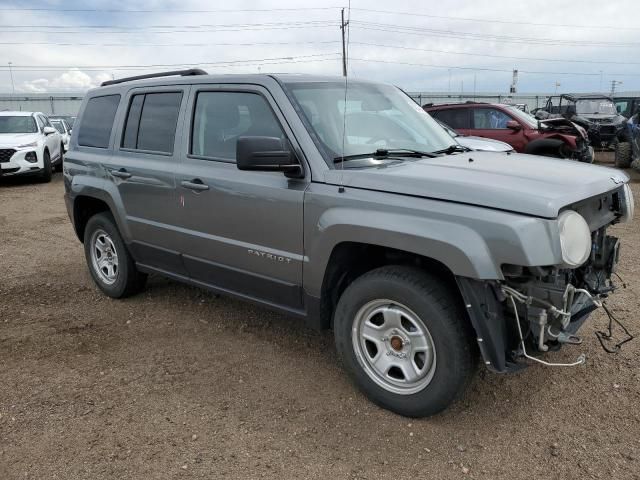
[(5, 154), (607, 129)]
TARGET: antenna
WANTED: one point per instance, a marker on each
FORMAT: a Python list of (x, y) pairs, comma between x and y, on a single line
[(345, 52)]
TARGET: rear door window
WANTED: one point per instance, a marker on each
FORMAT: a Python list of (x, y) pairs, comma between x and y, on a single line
[(97, 121), (151, 122), (456, 118)]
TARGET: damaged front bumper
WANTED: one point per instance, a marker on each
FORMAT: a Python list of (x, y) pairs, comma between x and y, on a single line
[(538, 309)]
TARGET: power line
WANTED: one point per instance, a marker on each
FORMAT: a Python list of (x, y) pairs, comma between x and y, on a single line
[(118, 10), (144, 27), (137, 44), (385, 27), (487, 69), (494, 56), (487, 20), (266, 61), (191, 31)]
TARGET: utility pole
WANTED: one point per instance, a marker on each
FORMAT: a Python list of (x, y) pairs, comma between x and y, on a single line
[(13, 87), (600, 89), (614, 84), (343, 27)]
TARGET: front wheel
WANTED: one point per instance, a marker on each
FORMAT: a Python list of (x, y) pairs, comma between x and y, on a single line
[(623, 154), (47, 170), (404, 340)]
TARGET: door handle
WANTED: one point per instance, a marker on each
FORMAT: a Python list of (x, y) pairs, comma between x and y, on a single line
[(122, 173), (195, 184)]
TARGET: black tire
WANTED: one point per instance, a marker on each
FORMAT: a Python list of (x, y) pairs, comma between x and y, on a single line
[(623, 154), (439, 310), (61, 160), (128, 279), (47, 171)]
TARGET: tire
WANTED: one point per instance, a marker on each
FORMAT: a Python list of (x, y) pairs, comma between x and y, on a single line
[(429, 317), (117, 275), (47, 171), (61, 161), (623, 154)]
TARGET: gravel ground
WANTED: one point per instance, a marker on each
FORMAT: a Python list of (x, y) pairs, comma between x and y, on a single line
[(178, 383)]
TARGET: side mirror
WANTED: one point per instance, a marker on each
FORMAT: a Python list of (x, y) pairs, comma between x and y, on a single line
[(48, 130), (513, 125), (267, 154)]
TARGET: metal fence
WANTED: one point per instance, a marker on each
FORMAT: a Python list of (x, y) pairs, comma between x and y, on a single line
[(532, 101), (48, 104)]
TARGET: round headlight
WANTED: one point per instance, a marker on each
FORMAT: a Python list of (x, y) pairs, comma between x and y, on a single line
[(628, 205), (575, 238)]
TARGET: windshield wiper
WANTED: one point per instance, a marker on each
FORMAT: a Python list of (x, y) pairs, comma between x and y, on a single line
[(387, 153), (453, 149)]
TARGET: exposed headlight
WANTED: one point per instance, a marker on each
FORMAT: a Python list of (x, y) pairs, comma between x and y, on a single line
[(28, 145), (575, 238), (628, 206)]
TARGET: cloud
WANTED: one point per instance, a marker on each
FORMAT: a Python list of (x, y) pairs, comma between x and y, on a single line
[(73, 80)]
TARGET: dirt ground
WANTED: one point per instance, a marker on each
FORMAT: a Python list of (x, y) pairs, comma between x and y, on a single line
[(178, 383)]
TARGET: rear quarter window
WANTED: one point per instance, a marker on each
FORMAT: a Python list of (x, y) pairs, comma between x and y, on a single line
[(97, 121)]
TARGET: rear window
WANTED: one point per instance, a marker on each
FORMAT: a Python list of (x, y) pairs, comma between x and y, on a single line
[(97, 121), (456, 117), (151, 122)]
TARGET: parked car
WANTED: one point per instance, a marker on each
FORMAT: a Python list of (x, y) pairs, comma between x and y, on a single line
[(417, 255), (63, 129), (67, 118), (476, 143), (627, 105), (29, 145), (594, 112), (507, 123)]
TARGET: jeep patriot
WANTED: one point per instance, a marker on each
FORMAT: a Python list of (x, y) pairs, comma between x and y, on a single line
[(353, 210)]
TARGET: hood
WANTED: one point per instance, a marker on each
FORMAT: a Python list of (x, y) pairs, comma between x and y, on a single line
[(527, 184), (601, 118), (15, 139), (483, 144)]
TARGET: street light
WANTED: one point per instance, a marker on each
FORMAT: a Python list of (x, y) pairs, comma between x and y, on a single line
[(13, 87)]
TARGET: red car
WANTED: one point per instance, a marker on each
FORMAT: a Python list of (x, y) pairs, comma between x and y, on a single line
[(556, 137)]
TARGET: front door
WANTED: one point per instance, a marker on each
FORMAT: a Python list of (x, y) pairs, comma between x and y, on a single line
[(243, 230), (492, 123)]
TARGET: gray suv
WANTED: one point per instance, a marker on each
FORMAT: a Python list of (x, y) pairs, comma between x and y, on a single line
[(351, 209)]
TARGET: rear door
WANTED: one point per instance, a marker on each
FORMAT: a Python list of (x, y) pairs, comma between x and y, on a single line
[(457, 118), (143, 169), (242, 230), (492, 123)]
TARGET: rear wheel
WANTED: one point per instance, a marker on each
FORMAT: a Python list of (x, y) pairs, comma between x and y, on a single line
[(623, 154), (109, 261), (47, 171), (404, 340)]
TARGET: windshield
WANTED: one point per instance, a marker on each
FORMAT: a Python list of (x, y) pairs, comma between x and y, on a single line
[(58, 124), (596, 105), (18, 124), (377, 117), (524, 117), (449, 130)]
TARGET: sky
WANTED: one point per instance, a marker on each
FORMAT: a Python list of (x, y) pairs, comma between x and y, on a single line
[(428, 46)]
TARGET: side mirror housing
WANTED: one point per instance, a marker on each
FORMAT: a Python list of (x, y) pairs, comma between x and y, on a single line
[(267, 154), (48, 130), (513, 125)]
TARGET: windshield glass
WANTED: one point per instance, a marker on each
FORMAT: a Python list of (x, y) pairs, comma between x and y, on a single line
[(58, 125), (377, 117), (524, 117), (18, 124), (596, 105)]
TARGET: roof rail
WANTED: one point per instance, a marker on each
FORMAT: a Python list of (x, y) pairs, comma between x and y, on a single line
[(182, 73)]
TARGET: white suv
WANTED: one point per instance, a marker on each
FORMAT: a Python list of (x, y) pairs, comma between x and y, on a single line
[(29, 145)]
